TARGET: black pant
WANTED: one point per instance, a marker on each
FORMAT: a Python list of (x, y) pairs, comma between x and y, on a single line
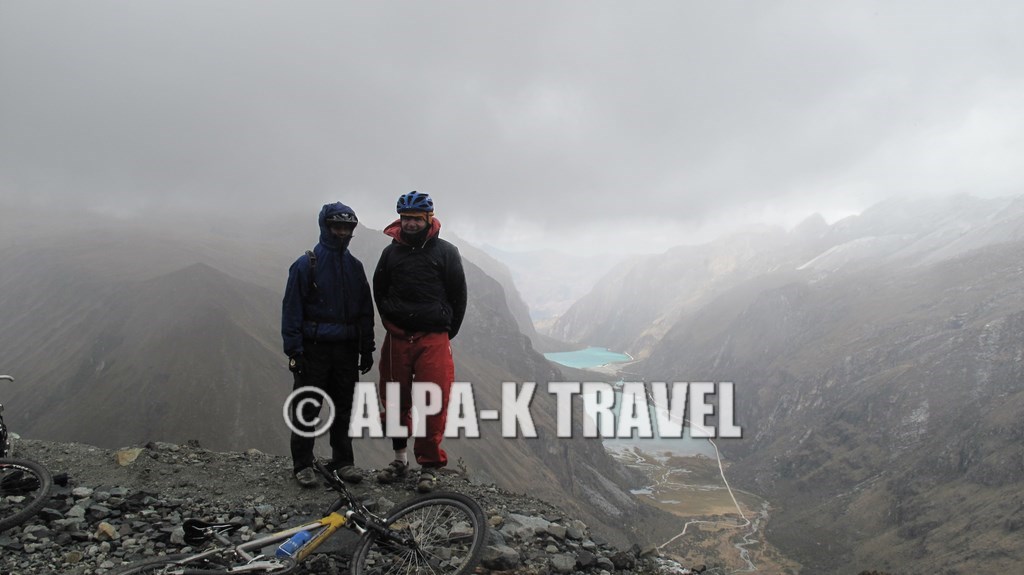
[(334, 368)]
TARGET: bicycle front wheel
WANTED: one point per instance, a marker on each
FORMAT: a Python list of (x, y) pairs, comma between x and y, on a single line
[(440, 533), (24, 490)]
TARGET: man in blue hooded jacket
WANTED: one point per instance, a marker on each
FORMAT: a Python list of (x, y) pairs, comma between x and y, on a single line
[(327, 326)]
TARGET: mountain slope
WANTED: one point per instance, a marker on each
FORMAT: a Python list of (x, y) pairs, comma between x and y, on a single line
[(635, 304), (882, 408), (127, 362)]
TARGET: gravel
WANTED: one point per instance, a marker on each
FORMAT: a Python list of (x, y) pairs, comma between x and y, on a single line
[(129, 504)]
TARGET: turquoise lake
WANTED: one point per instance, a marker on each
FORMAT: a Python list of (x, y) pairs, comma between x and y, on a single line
[(589, 357), (599, 356)]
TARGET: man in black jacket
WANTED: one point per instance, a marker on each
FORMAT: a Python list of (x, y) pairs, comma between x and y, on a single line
[(420, 289)]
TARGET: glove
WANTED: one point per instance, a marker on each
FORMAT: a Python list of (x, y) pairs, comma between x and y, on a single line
[(297, 364), (365, 362)]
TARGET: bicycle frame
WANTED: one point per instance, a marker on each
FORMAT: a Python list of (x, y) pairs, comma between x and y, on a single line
[(321, 529), (249, 552), (324, 528)]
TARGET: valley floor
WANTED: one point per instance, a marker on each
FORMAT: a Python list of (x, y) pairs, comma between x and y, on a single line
[(711, 530)]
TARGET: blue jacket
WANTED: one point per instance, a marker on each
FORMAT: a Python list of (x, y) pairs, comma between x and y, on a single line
[(339, 308)]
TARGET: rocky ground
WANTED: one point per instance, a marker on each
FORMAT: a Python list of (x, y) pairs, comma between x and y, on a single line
[(123, 505)]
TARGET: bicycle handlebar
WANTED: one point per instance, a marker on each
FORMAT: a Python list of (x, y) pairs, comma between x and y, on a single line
[(345, 496), (7, 377), (332, 478)]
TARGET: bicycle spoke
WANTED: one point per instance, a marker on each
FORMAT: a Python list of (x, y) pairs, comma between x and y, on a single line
[(445, 532)]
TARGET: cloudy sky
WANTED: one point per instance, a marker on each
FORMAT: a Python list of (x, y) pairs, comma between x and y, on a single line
[(588, 125)]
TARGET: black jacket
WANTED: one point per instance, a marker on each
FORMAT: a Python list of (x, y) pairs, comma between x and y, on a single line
[(423, 287)]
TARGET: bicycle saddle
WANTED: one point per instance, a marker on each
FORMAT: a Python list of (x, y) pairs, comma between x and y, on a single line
[(198, 532)]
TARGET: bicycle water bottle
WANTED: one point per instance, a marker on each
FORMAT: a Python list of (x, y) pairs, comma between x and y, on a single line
[(293, 544)]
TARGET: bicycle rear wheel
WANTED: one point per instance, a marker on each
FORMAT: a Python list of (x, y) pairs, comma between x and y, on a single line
[(445, 534), (24, 490)]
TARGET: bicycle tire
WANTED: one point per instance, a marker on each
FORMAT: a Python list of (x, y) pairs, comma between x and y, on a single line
[(449, 530), (24, 490)]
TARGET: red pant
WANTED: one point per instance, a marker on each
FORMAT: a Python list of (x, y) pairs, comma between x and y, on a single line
[(408, 360)]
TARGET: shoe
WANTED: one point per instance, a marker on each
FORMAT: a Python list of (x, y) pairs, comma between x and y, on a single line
[(393, 472), (306, 477), (428, 477), (350, 474)]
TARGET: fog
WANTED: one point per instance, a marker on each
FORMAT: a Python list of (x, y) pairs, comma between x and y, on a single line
[(593, 127)]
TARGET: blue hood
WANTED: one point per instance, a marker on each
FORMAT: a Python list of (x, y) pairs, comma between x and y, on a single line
[(327, 239)]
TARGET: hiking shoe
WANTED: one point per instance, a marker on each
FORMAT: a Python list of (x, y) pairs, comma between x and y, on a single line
[(306, 477), (428, 477), (393, 472), (350, 474)]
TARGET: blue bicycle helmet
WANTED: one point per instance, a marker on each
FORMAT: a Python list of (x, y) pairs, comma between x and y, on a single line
[(415, 202)]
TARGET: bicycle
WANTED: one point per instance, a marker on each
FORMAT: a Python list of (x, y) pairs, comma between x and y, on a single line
[(24, 485), (439, 533)]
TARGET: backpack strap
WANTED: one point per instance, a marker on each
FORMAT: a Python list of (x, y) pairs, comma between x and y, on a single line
[(312, 268)]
